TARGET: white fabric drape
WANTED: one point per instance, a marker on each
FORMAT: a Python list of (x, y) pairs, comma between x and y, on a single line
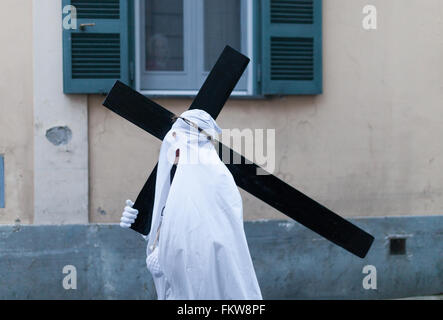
[(202, 249)]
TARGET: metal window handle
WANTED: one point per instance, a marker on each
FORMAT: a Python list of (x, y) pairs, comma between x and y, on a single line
[(84, 25)]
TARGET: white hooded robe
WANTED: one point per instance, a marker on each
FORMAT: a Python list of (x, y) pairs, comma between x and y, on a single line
[(202, 248)]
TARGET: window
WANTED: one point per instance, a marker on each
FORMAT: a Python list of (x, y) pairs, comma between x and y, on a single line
[(180, 41), (2, 182), (168, 47)]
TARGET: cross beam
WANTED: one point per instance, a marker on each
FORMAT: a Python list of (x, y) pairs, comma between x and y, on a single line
[(156, 120), (212, 96)]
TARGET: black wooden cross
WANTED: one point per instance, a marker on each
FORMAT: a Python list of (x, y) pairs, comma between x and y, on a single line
[(217, 88)]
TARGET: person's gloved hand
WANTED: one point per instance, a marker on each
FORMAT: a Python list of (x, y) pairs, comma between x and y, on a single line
[(129, 215)]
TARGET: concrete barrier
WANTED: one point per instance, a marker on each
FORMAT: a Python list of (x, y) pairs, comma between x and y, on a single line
[(291, 261)]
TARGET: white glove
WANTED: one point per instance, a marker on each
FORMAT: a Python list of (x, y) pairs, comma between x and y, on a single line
[(129, 215)]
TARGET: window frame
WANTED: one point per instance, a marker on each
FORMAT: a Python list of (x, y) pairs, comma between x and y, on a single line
[(2, 182), (248, 27)]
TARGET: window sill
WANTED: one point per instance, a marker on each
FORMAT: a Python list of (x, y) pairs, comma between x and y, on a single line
[(177, 94)]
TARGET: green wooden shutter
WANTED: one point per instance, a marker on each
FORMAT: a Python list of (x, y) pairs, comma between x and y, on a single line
[(291, 46), (94, 57)]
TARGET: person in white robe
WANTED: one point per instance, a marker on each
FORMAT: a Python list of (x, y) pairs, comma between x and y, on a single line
[(197, 248)]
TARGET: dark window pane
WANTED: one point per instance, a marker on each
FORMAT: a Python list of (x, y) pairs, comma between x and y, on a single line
[(164, 35), (222, 27)]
